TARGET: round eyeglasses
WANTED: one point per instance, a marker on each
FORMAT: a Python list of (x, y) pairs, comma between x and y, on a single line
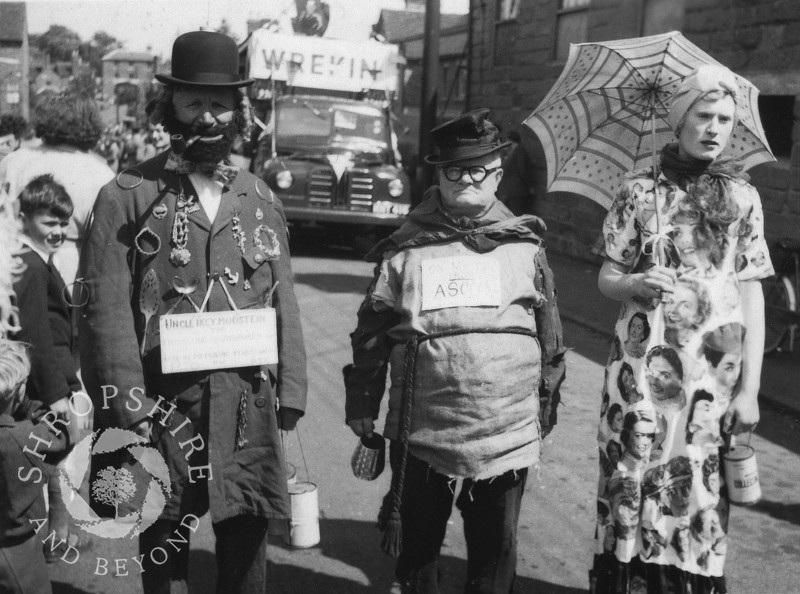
[(477, 173)]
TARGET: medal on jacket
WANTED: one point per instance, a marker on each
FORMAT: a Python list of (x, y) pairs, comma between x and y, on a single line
[(180, 255), (238, 234), (160, 211), (271, 249)]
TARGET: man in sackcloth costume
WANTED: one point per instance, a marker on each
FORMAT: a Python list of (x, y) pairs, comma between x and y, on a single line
[(462, 308)]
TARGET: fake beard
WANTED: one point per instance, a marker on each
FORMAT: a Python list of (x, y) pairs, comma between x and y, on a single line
[(205, 154)]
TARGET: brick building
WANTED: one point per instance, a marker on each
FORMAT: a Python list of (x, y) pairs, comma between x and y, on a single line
[(518, 50), (123, 66), (14, 59)]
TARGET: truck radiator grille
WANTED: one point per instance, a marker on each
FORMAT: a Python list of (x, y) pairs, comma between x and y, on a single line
[(321, 186), (354, 189)]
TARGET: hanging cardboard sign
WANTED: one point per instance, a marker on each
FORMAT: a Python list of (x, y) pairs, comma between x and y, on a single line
[(218, 340), (460, 281)]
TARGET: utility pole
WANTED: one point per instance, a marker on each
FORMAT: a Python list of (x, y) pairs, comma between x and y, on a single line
[(430, 92)]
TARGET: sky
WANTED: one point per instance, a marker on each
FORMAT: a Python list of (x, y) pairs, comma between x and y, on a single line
[(143, 24)]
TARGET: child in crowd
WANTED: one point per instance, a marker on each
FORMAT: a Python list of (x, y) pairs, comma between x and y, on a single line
[(45, 314), (22, 563)]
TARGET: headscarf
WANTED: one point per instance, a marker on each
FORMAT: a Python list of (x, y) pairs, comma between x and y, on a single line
[(702, 81)]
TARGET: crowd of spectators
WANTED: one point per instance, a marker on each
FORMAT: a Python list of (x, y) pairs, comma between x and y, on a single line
[(123, 145)]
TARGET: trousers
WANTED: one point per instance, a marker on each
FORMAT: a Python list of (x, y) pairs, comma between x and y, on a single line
[(241, 551), (22, 568), (490, 511)]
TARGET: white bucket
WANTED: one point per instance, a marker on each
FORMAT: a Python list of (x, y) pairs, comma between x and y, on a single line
[(741, 475), (304, 525)]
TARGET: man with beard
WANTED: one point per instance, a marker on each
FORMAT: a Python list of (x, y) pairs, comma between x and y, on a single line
[(183, 229)]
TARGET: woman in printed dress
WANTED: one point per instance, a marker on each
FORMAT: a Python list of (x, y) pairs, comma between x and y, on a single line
[(703, 301)]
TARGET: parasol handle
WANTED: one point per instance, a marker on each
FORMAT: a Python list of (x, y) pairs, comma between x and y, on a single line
[(658, 251), (658, 246)]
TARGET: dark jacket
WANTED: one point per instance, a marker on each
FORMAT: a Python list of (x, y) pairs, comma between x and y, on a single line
[(22, 473), (131, 234), (46, 325)]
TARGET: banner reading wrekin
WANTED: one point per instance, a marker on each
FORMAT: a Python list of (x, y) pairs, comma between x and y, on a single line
[(321, 63)]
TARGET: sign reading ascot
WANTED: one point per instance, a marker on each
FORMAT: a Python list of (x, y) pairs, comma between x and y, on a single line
[(320, 63)]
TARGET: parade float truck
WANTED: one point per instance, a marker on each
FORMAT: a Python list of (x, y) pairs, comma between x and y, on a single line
[(329, 148)]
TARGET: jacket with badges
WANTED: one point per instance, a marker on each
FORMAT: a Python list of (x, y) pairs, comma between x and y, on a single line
[(149, 229), (461, 306)]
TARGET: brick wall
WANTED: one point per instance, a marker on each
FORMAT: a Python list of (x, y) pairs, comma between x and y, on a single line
[(759, 39)]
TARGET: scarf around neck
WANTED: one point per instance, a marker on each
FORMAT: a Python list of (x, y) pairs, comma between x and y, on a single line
[(686, 170), (707, 183), (430, 223), (223, 172)]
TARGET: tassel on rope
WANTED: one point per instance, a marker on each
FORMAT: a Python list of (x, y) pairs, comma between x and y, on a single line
[(392, 542), (389, 519)]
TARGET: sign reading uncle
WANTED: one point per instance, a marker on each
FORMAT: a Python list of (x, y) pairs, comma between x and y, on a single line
[(218, 340), (321, 63), (460, 281)]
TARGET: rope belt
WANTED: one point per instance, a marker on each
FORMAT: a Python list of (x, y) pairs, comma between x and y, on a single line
[(389, 517)]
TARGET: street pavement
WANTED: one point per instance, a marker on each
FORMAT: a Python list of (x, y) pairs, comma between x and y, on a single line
[(556, 521)]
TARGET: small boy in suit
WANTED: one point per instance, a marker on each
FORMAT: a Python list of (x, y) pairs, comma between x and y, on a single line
[(45, 316), (23, 443)]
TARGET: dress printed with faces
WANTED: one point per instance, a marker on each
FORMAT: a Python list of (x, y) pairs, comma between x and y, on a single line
[(667, 508)]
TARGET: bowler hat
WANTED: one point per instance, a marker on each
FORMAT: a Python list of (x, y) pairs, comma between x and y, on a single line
[(205, 58), (468, 136)]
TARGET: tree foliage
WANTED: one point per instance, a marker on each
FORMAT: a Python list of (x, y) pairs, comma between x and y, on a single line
[(58, 42), (126, 93), (94, 50)]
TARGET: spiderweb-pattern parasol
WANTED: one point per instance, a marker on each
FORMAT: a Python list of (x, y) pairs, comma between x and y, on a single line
[(607, 112)]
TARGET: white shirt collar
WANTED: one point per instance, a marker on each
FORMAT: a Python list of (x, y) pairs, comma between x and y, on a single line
[(26, 241)]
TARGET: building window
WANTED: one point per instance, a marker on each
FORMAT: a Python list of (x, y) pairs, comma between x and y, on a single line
[(507, 10), (506, 31), (116, 69), (132, 71), (572, 25), (12, 93), (776, 114), (661, 16), (461, 84)]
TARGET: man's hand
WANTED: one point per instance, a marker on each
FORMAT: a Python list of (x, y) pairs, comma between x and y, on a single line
[(288, 417), (63, 412), (61, 408), (365, 426), (657, 280), (742, 414)]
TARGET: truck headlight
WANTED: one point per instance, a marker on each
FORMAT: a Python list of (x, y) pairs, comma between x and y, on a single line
[(284, 179), (396, 188)]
